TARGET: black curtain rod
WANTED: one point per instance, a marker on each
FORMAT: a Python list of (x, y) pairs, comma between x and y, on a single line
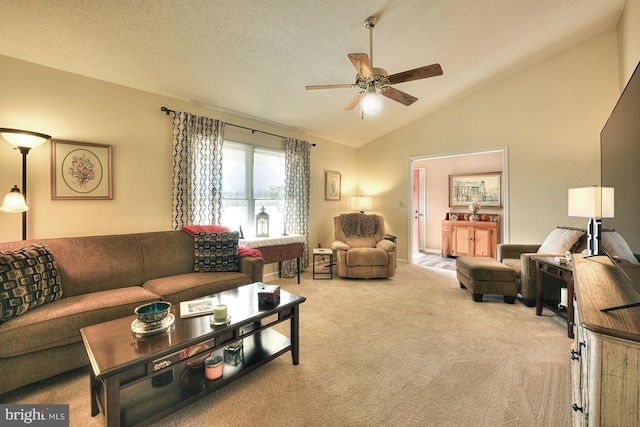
[(168, 111)]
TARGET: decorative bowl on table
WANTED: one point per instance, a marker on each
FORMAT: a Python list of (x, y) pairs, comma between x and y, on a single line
[(153, 312)]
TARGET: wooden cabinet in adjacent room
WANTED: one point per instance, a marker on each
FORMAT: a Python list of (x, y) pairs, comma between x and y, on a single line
[(470, 238)]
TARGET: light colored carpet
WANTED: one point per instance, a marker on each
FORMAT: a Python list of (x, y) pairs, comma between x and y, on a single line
[(414, 350)]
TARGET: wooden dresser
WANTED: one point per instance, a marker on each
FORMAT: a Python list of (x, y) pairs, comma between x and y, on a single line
[(605, 365), (470, 238)]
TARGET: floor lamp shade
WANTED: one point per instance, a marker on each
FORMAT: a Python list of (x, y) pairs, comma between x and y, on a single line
[(14, 201), (362, 203), (594, 203), (24, 138)]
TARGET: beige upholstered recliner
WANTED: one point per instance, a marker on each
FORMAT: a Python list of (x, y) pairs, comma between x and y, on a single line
[(361, 249)]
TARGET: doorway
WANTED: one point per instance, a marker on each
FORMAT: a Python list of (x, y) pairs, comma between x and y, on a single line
[(429, 194)]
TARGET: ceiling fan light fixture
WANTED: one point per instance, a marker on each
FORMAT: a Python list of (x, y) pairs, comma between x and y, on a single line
[(372, 103)]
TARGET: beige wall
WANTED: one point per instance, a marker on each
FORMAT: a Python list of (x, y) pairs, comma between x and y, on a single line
[(71, 107), (549, 116), (629, 40)]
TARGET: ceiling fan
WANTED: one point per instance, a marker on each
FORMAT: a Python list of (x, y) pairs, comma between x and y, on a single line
[(374, 82)]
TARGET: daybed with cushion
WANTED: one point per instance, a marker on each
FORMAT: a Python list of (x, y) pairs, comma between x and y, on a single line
[(80, 281)]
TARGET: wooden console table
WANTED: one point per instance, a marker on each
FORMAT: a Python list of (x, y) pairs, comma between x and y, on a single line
[(278, 249)]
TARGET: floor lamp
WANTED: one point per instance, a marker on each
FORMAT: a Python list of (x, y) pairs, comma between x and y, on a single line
[(24, 141), (594, 203)]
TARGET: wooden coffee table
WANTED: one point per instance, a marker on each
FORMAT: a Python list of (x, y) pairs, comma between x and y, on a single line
[(139, 380)]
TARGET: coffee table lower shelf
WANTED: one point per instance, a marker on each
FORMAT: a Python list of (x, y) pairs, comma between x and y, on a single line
[(142, 402)]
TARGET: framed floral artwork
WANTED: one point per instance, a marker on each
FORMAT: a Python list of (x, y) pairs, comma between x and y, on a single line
[(80, 170), (332, 190)]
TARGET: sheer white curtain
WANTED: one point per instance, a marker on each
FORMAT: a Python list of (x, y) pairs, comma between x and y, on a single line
[(197, 170), (296, 204)]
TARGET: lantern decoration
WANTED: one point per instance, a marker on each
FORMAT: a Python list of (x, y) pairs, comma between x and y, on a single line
[(262, 224)]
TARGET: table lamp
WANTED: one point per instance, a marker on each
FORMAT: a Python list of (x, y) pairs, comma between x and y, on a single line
[(362, 203), (594, 203)]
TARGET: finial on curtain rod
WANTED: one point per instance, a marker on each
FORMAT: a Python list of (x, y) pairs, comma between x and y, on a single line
[(167, 111)]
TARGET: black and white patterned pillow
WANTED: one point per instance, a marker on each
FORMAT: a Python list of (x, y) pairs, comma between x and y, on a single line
[(216, 252), (28, 278)]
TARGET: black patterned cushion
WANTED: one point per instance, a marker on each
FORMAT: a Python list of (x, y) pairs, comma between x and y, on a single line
[(217, 251), (28, 278)]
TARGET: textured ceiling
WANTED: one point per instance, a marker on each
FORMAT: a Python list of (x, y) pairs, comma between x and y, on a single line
[(254, 58)]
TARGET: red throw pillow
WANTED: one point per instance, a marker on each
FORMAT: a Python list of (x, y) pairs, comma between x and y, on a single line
[(193, 229)]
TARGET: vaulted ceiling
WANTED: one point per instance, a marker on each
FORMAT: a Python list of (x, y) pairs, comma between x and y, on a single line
[(254, 58)]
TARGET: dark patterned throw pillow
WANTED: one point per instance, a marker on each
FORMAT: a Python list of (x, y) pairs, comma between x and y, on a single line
[(28, 278), (216, 252)]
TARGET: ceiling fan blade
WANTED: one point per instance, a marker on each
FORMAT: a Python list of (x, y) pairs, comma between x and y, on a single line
[(314, 87), (354, 101), (399, 96), (362, 63), (416, 74)]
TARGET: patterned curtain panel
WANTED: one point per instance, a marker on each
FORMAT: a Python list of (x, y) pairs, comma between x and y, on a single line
[(296, 203), (197, 170)]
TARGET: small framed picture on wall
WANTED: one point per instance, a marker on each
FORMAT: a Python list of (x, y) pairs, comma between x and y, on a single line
[(332, 189), (80, 170)]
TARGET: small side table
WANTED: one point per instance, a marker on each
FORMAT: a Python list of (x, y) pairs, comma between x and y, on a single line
[(546, 265), (323, 252)]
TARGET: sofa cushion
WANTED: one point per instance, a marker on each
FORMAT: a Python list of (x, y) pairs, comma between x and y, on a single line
[(561, 240), (216, 252), (28, 279), (59, 323), (615, 245), (360, 242), (184, 287), (515, 264), (366, 257)]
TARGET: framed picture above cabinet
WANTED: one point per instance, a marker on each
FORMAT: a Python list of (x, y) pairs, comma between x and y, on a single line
[(483, 188)]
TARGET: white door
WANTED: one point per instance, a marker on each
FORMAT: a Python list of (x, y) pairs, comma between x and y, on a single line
[(419, 208)]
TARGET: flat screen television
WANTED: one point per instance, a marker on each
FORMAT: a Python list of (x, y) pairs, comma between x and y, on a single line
[(620, 163), (620, 169)]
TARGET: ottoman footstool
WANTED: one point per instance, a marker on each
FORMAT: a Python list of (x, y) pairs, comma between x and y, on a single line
[(487, 276)]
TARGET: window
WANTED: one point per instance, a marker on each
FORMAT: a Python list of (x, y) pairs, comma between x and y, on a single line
[(252, 177)]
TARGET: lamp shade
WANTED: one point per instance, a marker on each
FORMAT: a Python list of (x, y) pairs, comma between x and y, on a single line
[(14, 201), (372, 103), (362, 203), (591, 202), (24, 138)]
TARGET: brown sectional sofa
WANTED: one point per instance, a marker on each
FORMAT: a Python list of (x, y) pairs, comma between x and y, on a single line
[(103, 278)]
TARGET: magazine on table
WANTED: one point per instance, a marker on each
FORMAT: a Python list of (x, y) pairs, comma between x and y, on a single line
[(197, 307)]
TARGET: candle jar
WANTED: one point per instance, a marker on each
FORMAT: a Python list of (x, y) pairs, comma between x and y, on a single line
[(213, 367), (220, 313)]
